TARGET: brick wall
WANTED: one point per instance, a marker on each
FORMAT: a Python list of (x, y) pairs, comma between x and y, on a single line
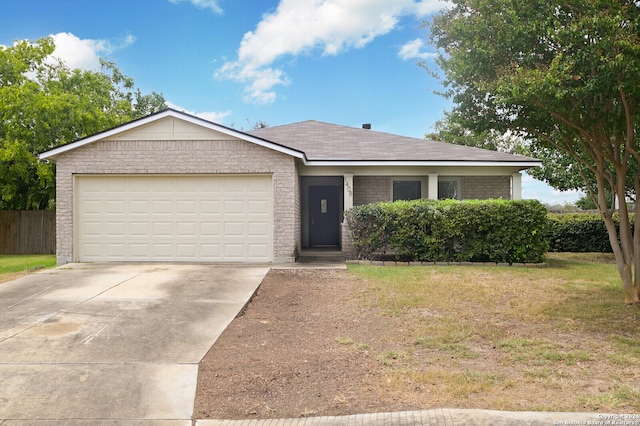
[(484, 187), (347, 247), (175, 157), (374, 189), (371, 189)]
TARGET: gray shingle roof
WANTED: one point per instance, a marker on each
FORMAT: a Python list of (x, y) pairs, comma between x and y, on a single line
[(331, 142)]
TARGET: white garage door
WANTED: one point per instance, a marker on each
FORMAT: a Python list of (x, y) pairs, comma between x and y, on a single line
[(174, 218)]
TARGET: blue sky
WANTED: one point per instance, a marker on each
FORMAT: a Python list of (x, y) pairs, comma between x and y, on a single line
[(237, 62)]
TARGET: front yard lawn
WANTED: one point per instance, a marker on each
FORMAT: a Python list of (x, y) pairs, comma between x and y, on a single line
[(375, 339), (13, 266), (557, 338)]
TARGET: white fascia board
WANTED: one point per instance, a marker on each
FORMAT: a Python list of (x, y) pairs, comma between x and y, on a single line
[(523, 164), (103, 135), (169, 113), (239, 135)]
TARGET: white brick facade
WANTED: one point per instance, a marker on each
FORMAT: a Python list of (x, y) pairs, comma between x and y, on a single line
[(182, 157)]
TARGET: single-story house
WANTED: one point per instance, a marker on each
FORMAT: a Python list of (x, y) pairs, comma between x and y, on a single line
[(175, 187)]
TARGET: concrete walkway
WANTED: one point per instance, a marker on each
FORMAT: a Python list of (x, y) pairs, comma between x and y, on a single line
[(443, 417)]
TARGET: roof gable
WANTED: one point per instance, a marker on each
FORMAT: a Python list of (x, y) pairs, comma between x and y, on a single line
[(315, 143), (171, 128), (169, 124)]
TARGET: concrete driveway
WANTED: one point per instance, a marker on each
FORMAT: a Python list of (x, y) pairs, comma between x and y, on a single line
[(113, 343)]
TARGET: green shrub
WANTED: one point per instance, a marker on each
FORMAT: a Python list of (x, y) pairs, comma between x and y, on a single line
[(578, 232), (450, 230)]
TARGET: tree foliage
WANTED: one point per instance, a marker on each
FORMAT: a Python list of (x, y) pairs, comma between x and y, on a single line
[(452, 129), (44, 104), (562, 75)]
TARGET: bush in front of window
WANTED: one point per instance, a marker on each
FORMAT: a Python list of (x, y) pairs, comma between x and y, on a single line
[(503, 231)]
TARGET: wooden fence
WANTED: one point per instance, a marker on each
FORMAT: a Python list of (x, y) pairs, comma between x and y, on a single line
[(27, 232)]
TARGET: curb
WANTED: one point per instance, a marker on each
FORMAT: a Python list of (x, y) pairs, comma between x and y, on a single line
[(442, 417), (399, 263)]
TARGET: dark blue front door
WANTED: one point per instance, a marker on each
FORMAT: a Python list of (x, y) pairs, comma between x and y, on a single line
[(324, 216)]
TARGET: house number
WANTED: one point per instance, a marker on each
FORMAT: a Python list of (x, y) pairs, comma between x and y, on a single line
[(323, 206)]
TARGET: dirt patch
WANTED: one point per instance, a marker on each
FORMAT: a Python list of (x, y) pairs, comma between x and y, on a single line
[(312, 343), (299, 350)]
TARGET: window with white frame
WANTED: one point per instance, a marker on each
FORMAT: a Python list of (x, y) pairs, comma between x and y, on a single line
[(406, 189), (448, 188)]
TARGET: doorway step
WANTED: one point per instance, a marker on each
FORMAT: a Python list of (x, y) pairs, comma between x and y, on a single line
[(321, 255)]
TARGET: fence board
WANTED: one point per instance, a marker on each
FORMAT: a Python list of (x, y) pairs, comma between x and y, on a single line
[(27, 232)]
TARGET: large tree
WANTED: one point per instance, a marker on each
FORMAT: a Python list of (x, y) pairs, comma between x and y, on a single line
[(44, 104), (563, 75)]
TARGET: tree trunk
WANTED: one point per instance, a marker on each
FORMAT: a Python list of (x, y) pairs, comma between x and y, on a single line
[(623, 246), (625, 265), (623, 243)]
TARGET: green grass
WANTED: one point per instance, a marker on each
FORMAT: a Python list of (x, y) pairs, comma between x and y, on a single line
[(503, 334), (542, 352), (12, 264), (572, 288), (347, 341)]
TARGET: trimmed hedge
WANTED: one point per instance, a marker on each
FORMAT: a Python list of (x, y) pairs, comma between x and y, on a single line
[(578, 232), (449, 230)]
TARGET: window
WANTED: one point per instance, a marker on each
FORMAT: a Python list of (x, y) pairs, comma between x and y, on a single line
[(407, 190), (447, 189)]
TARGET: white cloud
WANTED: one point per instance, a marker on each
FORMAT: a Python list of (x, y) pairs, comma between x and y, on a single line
[(259, 82), (85, 53), (299, 27), (427, 7), (533, 189), (215, 117), (202, 4), (414, 50)]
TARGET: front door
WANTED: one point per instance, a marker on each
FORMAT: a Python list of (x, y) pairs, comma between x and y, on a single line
[(324, 216)]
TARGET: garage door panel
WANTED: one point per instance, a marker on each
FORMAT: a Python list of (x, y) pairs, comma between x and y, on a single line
[(258, 207), (139, 229), (115, 251), (162, 229), (174, 218), (116, 207), (162, 206), (163, 251), (210, 251), (138, 251), (209, 207), (258, 229), (187, 229), (257, 250), (116, 229), (210, 229), (233, 207), (92, 206), (92, 229), (115, 186), (186, 251), (139, 206), (187, 206), (234, 229), (234, 251)]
